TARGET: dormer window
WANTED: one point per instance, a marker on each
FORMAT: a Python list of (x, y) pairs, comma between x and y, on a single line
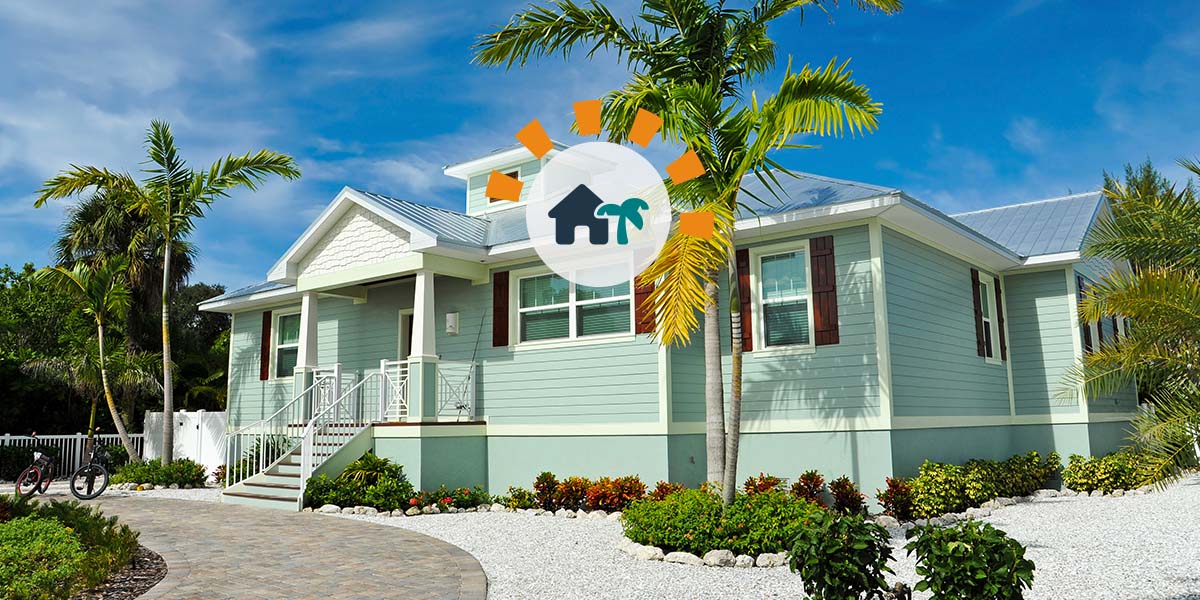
[(515, 175)]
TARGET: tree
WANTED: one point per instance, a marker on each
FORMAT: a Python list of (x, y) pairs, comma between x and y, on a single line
[(171, 198), (103, 296), (1155, 227), (691, 62)]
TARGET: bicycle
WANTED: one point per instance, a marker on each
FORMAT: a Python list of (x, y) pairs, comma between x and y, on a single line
[(36, 478), (91, 479)]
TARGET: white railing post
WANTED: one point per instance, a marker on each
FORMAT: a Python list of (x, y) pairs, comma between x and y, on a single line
[(384, 388)]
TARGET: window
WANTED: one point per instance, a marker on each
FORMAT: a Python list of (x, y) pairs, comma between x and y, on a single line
[(986, 301), (514, 174), (785, 298), (287, 344), (550, 307)]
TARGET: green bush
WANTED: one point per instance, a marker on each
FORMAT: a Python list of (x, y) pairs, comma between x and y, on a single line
[(941, 488), (39, 558), (663, 489), (115, 456), (841, 557), (369, 469), (181, 472), (695, 521), (1116, 471), (612, 494), (109, 545), (368, 481), (971, 560), (762, 483), (847, 500), (763, 522), (520, 498)]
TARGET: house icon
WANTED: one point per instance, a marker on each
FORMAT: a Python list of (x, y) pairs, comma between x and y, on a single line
[(578, 209)]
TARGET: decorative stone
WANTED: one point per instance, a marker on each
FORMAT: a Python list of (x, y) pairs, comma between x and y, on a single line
[(683, 558), (368, 511), (399, 512), (597, 514), (1097, 493), (348, 510), (1146, 489), (990, 504), (1024, 499), (187, 486), (412, 511), (650, 553), (496, 507), (978, 513), (570, 514), (1118, 493), (1047, 493), (146, 486), (938, 522), (613, 516), (743, 561), (483, 507), (173, 486), (562, 512), (307, 509), (1000, 502), (428, 510), (581, 514), (769, 559), (471, 509), (329, 509), (886, 521), (718, 558)]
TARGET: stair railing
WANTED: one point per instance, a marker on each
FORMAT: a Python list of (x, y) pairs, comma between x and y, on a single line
[(456, 388), (354, 410), (394, 390)]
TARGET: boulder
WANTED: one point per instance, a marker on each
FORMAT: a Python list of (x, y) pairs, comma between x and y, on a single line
[(496, 507), (886, 521), (683, 558), (399, 512), (597, 514), (581, 514), (938, 522), (1097, 493), (428, 510), (1001, 502), (1047, 493), (743, 561), (329, 509), (1118, 493), (367, 510), (412, 511), (770, 559), (348, 510), (648, 553), (718, 558), (146, 487), (613, 516), (173, 486), (471, 509), (187, 486), (978, 513), (483, 507), (990, 504), (307, 509)]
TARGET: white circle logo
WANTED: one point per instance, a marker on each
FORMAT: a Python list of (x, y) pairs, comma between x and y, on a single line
[(598, 214)]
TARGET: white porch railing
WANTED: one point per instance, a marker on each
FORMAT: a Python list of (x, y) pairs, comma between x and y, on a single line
[(354, 410), (394, 390), (456, 389), (70, 447)]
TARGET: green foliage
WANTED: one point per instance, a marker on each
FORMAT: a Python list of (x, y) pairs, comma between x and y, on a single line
[(612, 494), (115, 456), (368, 481), (521, 498), (39, 558), (387, 493), (571, 493), (970, 560), (841, 557), (663, 489), (181, 472), (763, 522), (369, 469), (762, 483), (944, 488), (810, 486), (109, 545), (545, 485), (846, 497), (896, 499), (1116, 471), (695, 521)]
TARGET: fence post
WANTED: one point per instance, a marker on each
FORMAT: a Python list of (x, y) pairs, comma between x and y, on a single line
[(79, 442)]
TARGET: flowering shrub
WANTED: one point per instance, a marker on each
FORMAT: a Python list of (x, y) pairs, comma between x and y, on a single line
[(544, 486), (762, 483), (520, 498), (846, 497), (663, 489), (897, 499), (571, 493), (811, 487), (615, 494)]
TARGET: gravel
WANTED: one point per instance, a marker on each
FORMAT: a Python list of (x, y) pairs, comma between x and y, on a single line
[(209, 494), (1131, 547)]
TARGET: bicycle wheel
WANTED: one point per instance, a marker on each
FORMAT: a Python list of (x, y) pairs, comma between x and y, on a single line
[(47, 477), (89, 481), (27, 483)]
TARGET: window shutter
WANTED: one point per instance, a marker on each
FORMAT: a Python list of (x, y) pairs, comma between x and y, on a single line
[(1000, 319), (742, 259), (824, 287), (643, 312), (1100, 331), (500, 308), (979, 341), (1087, 330), (1116, 330), (264, 350)]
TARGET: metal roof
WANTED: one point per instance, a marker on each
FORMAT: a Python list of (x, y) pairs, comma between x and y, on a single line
[(446, 224), (1036, 228), (254, 288), (804, 190)]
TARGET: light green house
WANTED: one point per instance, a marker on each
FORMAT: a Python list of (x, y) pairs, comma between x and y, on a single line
[(882, 333)]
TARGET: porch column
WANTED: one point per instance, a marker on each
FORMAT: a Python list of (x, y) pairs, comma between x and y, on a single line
[(306, 355), (422, 362)]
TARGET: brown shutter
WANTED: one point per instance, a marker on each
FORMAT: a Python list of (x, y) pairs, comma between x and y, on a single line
[(1000, 319), (1100, 331), (264, 350), (979, 340), (824, 288), (1087, 331), (742, 258), (1116, 330), (643, 313), (500, 308)]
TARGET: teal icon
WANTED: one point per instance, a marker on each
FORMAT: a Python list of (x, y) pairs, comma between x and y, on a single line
[(627, 213)]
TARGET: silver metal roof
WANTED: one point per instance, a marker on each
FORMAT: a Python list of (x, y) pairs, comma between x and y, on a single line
[(1036, 228)]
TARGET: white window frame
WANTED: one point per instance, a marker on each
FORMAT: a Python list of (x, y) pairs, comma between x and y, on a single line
[(277, 316), (572, 339), (758, 315), (987, 289)]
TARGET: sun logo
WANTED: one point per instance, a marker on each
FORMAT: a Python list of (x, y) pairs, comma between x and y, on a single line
[(597, 213)]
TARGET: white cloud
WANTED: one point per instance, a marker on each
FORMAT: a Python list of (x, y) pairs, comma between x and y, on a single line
[(1026, 134)]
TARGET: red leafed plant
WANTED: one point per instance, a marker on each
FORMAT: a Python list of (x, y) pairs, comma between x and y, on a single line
[(810, 486), (663, 489), (615, 494), (896, 499), (571, 493), (762, 483), (544, 486), (846, 497)]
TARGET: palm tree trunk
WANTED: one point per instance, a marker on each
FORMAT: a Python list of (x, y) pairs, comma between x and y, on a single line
[(733, 435), (168, 420), (112, 406), (87, 445), (714, 388)]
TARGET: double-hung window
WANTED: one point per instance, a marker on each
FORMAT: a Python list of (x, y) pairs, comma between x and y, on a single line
[(287, 344), (986, 300), (785, 298), (551, 308)]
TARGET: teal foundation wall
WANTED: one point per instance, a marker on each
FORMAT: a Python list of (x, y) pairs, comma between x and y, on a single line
[(518, 460), (864, 456), (686, 459), (1108, 437), (431, 462)]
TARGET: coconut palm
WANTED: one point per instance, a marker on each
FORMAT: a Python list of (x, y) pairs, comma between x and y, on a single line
[(171, 198), (691, 61), (1156, 229), (627, 213), (103, 296)]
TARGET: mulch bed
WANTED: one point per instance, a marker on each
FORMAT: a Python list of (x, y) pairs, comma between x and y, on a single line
[(142, 573)]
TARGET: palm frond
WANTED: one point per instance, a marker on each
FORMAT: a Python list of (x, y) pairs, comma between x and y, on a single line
[(1166, 433), (557, 28)]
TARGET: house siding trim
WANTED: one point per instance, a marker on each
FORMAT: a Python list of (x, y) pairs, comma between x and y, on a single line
[(883, 355), (1076, 333)]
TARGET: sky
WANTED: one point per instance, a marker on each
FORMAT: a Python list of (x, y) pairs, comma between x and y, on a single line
[(984, 104)]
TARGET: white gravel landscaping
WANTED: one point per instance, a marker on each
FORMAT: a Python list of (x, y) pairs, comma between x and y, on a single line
[(208, 494), (1131, 547)]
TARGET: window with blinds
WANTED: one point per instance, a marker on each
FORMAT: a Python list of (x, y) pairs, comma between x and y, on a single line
[(287, 344), (550, 307), (785, 297)]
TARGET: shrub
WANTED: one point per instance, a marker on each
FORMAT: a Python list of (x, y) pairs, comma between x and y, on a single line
[(108, 545), (520, 498), (571, 493), (39, 558), (368, 481), (389, 493), (811, 487), (846, 497), (663, 489), (1116, 471), (941, 488), (763, 522), (219, 474), (971, 560), (897, 499), (369, 469), (471, 497), (762, 483), (181, 472), (544, 486), (687, 520), (615, 494), (115, 455), (841, 557)]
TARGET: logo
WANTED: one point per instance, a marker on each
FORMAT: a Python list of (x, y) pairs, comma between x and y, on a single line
[(598, 213)]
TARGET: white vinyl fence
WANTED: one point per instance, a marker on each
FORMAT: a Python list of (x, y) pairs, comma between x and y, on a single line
[(199, 435), (70, 447)]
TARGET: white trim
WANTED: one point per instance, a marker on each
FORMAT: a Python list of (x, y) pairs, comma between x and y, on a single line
[(276, 315), (243, 303), (1007, 347), (1002, 420), (883, 346), (429, 431), (664, 384), (1049, 259), (1076, 333), (572, 339), (578, 429), (464, 170), (402, 328), (988, 302), (758, 315)]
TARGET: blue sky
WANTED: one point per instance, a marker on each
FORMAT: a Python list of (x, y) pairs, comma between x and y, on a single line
[(984, 103)]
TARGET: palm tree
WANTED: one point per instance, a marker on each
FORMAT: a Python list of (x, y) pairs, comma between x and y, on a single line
[(627, 214), (691, 62), (170, 198), (103, 296), (1155, 227)]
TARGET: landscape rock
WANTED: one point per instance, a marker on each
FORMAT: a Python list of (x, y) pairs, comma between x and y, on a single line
[(1118, 493), (428, 510), (1097, 493), (173, 486), (683, 558), (307, 509), (581, 514), (743, 561), (348, 510), (483, 507), (146, 486), (718, 558), (329, 509), (496, 507), (597, 514), (1007, 501), (399, 512), (471, 509), (367, 510), (990, 504), (614, 516), (187, 486), (1047, 493), (978, 513), (412, 511), (938, 522), (648, 553), (770, 559), (562, 512), (886, 521)]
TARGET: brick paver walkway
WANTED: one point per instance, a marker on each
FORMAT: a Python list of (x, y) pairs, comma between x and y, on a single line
[(218, 550)]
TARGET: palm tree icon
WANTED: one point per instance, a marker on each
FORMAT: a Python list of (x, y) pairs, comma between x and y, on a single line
[(628, 211)]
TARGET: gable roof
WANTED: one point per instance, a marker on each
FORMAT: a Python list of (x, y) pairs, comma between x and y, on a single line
[(1051, 226), (445, 224), (805, 190)]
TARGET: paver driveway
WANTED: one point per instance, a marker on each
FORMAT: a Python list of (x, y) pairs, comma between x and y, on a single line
[(218, 550)]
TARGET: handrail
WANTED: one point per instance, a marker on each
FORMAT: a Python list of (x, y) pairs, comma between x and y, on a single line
[(333, 414), (303, 394), (459, 393)]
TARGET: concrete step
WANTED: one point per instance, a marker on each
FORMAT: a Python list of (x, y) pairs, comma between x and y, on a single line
[(259, 500), (273, 490), (277, 478)]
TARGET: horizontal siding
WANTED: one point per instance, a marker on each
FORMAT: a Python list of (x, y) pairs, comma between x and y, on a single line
[(249, 398), (477, 185), (1094, 270), (1040, 309), (931, 323)]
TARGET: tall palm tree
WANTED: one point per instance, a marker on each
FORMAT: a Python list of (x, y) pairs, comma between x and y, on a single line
[(103, 296), (170, 198), (1156, 229), (691, 61)]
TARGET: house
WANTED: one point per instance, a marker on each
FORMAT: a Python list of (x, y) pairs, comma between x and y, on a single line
[(578, 209), (881, 332)]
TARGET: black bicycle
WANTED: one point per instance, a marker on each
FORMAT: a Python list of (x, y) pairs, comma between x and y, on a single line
[(87, 482), (36, 478)]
